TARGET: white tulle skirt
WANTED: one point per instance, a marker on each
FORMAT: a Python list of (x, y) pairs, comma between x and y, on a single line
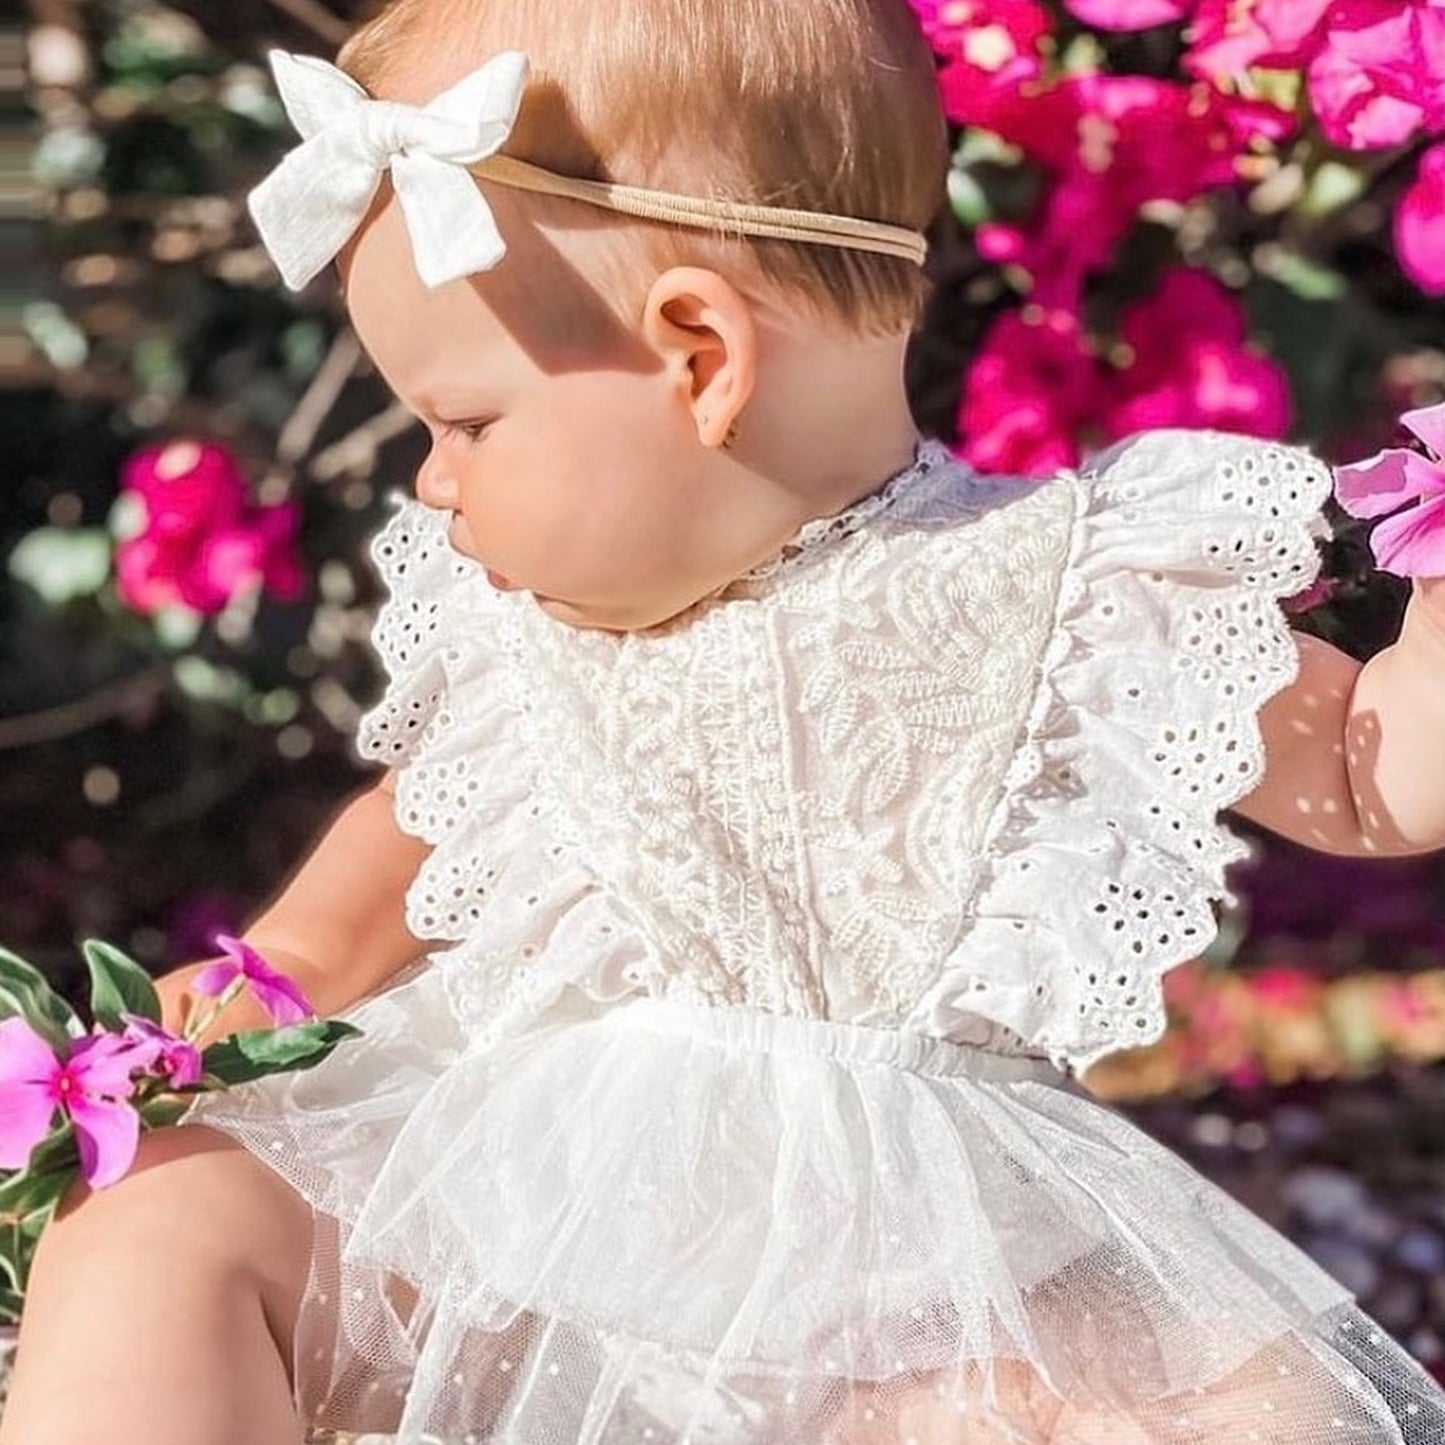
[(651, 1223)]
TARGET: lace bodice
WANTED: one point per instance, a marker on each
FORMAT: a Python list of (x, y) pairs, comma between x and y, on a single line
[(952, 760)]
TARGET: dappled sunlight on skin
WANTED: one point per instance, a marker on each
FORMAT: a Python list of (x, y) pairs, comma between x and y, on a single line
[(1326, 784)]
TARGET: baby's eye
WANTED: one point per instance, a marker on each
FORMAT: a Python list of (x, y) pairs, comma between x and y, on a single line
[(471, 431)]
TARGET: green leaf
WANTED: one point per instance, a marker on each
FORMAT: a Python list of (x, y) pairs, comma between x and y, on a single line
[(62, 563), (968, 200), (254, 1053), (57, 1151), (29, 1193), (160, 1113), (24, 991), (9, 1260), (118, 984), (1306, 278), (1333, 186)]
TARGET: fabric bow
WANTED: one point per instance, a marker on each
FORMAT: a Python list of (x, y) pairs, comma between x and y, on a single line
[(308, 207)]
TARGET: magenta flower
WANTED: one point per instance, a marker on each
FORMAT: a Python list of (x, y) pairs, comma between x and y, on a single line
[(988, 46), (1378, 79), (200, 544), (189, 488), (1420, 225), (257, 552), (89, 1086), (1191, 365), (1410, 543), (165, 1054), (1227, 37), (276, 993), (1283, 987), (1032, 390), (1115, 143), (1128, 14)]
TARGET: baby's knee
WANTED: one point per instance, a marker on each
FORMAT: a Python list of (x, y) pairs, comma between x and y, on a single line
[(192, 1199), (979, 1402)]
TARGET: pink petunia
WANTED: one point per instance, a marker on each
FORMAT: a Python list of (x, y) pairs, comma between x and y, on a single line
[(89, 1086), (1128, 14), (1420, 225), (165, 1054), (278, 995), (1411, 542)]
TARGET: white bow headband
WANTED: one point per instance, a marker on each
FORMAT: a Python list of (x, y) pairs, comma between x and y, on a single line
[(308, 207)]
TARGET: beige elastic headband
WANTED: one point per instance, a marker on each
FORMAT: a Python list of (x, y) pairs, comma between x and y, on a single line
[(779, 222)]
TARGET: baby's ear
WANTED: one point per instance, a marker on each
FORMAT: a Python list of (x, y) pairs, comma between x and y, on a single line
[(702, 327)]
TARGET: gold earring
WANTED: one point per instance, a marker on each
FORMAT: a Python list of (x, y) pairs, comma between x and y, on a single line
[(732, 435)]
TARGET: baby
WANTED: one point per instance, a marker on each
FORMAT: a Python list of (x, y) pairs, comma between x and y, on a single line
[(800, 807)]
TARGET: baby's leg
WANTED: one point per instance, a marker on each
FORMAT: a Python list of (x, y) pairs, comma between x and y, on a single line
[(160, 1309), (1003, 1402)]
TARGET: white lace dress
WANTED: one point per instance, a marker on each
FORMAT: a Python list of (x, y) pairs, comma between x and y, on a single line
[(737, 1101)]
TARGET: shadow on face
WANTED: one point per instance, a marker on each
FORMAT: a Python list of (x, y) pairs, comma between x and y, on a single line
[(536, 304)]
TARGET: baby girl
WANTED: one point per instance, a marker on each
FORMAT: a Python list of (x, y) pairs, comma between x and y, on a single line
[(776, 817)]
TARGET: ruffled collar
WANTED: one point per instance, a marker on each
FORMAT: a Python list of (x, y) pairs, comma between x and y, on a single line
[(819, 532)]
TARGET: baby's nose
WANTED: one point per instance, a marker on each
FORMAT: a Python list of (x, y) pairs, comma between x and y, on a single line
[(434, 486)]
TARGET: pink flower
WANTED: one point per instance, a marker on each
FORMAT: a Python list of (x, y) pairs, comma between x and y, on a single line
[(277, 994), (987, 45), (1412, 542), (164, 1053), (200, 545), (1115, 143), (148, 569), (1280, 986), (1227, 37), (1420, 225), (189, 488), (1128, 14), (88, 1087), (1030, 393), (1190, 365), (1379, 77), (255, 553)]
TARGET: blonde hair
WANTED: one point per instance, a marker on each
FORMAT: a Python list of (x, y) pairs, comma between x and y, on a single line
[(823, 105)]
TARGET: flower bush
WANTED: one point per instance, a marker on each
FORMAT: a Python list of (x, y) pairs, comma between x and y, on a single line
[(1141, 173)]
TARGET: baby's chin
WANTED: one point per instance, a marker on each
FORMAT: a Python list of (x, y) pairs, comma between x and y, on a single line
[(589, 618)]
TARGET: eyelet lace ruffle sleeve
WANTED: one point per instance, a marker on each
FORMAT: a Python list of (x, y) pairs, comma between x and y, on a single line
[(1106, 851), (505, 891)]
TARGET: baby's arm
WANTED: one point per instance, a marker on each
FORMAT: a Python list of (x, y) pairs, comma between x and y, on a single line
[(338, 926), (1355, 762)]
